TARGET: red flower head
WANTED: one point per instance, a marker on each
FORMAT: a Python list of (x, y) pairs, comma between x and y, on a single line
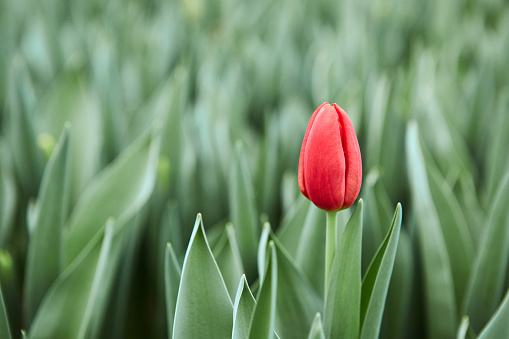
[(330, 166)]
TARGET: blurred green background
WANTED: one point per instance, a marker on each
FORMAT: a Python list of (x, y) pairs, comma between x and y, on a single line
[(184, 91)]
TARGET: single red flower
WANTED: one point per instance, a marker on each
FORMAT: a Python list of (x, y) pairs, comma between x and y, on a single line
[(330, 165)]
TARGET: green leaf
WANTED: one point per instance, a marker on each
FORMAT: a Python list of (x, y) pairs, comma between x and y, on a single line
[(5, 331), (398, 304), (458, 240), (439, 286), (463, 329), (78, 285), (119, 191), (242, 208), (297, 301), (242, 310), (487, 278), (376, 281), (343, 298), (172, 273), (264, 314), (316, 331), (43, 257), (498, 326), (204, 308), (310, 256), (8, 196), (290, 229), (228, 259)]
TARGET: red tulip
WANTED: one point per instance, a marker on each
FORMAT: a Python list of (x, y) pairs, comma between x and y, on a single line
[(330, 166)]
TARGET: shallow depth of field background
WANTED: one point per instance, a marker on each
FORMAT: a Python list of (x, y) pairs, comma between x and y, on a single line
[(221, 80)]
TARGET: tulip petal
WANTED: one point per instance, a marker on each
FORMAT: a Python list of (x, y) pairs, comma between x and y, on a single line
[(324, 161), (353, 171), (302, 185)]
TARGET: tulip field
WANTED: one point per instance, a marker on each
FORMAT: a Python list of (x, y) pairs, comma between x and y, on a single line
[(264, 169)]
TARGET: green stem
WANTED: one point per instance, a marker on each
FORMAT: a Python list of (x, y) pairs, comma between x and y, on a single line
[(330, 246)]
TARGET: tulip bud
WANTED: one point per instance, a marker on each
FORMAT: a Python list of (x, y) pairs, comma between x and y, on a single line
[(330, 166)]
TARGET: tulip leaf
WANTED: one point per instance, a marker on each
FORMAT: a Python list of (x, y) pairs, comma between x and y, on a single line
[(310, 256), (498, 326), (459, 243), (316, 331), (438, 281), (243, 213), (242, 310), (463, 328), (204, 308), (397, 306), (78, 285), (487, 278), (376, 280), (43, 257), (5, 331), (119, 191), (343, 298), (172, 272), (290, 229), (264, 314), (8, 197), (297, 301), (228, 259)]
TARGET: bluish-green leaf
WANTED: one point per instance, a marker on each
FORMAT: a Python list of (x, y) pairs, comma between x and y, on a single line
[(5, 330), (242, 310), (291, 226), (398, 305), (119, 191), (438, 282), (77, 285), (264, 315), (498, 326), (343, 298), (204, 308), (316, 331), (463, 328), (172, 273), (43, 257), (242, 206), (376, 281), (487, 278), (297, 301), (228, 259)]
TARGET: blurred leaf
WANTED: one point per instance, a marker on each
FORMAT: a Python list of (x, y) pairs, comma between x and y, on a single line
[(118, 191), (8, 196), (376, 281), (343, 298), (316, 331), (438, 281), (78, 285), (498, 327), (310, 256), (242, 310), (172, 273), (43, 257), (463, 329), (204, 308), (398, 306), (28, 159), (264, 314), (228, 260), (290, 229), (5, 331), (71, 100), (460, 247), (486, 283), (297, 302), (242, 207), (10, 289)]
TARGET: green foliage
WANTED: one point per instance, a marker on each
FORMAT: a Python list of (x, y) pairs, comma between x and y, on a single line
[(120, 121)]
